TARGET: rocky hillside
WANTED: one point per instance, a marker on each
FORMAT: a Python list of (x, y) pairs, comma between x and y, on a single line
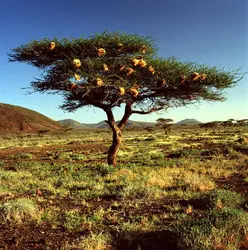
[(15, 119)]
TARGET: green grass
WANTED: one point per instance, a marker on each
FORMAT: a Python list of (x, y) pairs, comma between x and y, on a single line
[(218, 229), (186, 183)]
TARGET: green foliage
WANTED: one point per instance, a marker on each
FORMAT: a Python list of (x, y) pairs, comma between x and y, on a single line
[(159, 82), (162, 121), (224, 198)]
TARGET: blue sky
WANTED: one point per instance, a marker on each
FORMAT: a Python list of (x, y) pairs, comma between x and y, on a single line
[(213, 32)]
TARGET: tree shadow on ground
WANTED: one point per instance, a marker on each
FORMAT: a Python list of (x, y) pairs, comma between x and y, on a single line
[(156, 240)]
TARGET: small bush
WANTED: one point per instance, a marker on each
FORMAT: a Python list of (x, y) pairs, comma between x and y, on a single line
[(21, 156), (19, 210), (77, 157), (224, 198), (151, 138), (104, 169), (43, 131), (71, 219), (156, 155)]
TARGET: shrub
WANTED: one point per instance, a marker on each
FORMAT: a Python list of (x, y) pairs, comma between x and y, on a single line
[(71, 219), (19, 210), (104, 169), (224, 198)]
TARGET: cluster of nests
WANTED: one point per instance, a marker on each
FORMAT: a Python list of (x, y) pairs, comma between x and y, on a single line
[(137, 62)]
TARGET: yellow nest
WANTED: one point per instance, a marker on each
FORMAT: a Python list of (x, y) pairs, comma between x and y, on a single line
[(196, 77), (99, 82), (121, 91), (122, 68), (77, 77), (144, 48), (105, 67), (52, 45), (77, 63), (203, 77), (182, 79), (151, 69), (120, 46), (101, 52), (142, 63), (135, 62), (195, 74), (129, 71), (134, 92)]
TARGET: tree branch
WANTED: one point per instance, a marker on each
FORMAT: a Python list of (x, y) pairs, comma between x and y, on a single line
[(127, 114), (111, 120), (141, 112)]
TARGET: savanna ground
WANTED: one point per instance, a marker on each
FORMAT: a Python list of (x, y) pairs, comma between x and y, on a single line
[(187, 189)]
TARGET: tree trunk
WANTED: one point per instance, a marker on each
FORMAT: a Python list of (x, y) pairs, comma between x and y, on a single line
[(116, 142), (117, 134)]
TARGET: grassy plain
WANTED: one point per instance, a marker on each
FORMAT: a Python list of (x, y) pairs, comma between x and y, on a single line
[(187, 189)]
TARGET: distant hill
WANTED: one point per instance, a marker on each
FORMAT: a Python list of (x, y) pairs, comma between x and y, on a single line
[(101, 125), (189, 122), (73, 124), (15, 119)]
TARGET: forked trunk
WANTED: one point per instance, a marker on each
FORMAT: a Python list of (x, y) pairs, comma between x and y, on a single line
[(117, 134), (116, 142)]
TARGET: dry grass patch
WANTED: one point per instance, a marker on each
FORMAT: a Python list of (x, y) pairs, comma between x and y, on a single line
[(19, 211), (93, 241), (162, 177)]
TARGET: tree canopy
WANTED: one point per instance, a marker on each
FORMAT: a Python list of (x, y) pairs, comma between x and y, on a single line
[(110, 69), (164, 120)]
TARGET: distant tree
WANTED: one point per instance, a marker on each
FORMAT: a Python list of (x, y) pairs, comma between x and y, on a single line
[(242, 122), (112, 69), (164, 124), (42, 132), (164, 120), (227, 123), (149, 129), (213, 124)]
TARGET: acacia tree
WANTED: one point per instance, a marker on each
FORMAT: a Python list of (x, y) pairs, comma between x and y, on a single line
[(112, 69), (164, 123)]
